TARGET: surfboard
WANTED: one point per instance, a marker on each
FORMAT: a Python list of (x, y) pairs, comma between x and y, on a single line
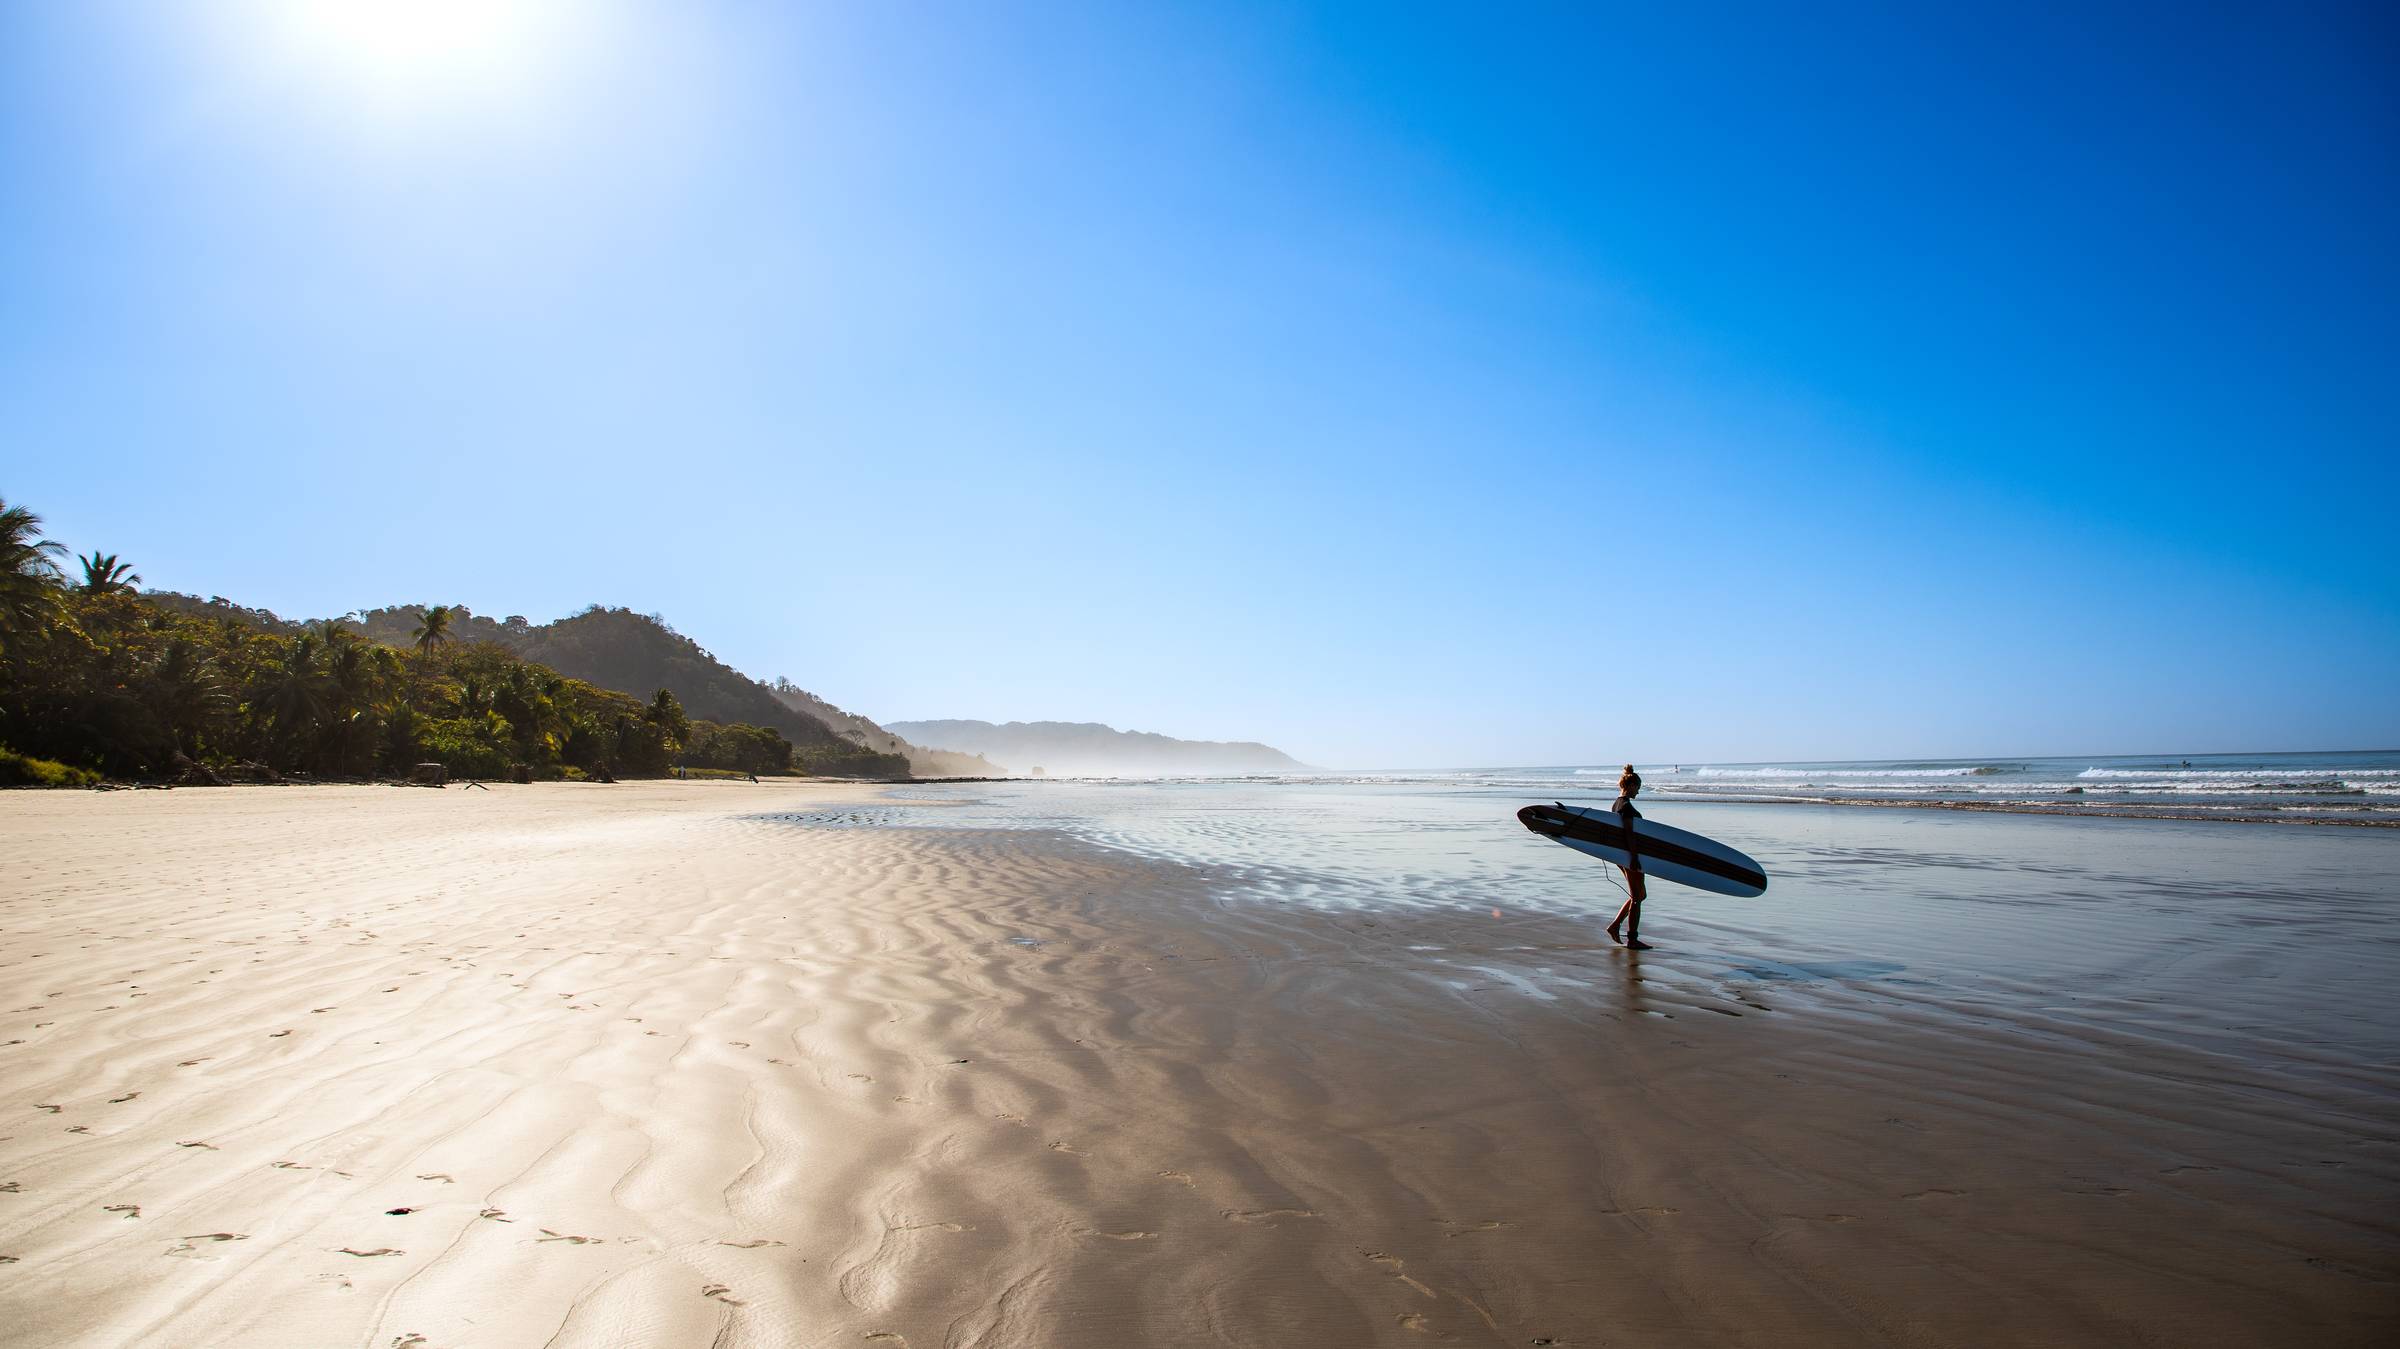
[(1668, 853)]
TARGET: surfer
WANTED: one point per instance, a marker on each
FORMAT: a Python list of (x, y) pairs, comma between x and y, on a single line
[(1629, 786)]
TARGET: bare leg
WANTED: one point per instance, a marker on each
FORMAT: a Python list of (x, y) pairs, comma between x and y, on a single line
[(1631, 915)]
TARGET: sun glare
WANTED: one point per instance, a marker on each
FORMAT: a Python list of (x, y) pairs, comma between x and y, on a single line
[(416, 51)]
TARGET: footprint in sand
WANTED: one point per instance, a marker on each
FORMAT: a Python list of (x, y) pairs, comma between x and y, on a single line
[(858, 1077), (409, 1342), (1412, 1321), (498, 1215), (369, 1255), (749, 1245), (12, 1187), (2179, 1170), (886, 1337), (189, 1249), (1471, 1229), (1267, 1215), (196, 1143), (129, 1210), (1068, 1149), (128, 1096), (1116, 1236), (53, 1109), (277, 1035), (1392, 1265), (932, 1227), (1934, 1194), (1183, 1178), (722, 1294), (1013, 1119), (548, 1235)]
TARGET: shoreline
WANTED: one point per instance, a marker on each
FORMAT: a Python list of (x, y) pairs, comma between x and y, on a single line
[(2189, 815), (542, 1065)]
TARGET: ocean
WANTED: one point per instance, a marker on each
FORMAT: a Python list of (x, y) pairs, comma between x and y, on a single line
[(2324, 786)]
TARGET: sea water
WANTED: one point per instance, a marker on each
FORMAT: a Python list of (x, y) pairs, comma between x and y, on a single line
[(2275, 942), (2349, 784)]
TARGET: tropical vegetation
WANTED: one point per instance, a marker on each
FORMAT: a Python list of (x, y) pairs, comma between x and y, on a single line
[(96, 678)]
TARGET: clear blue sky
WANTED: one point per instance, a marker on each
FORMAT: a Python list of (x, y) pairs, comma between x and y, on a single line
[(1402, 387)]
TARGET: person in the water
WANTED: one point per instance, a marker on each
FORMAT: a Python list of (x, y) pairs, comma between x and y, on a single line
[(1629, 917)]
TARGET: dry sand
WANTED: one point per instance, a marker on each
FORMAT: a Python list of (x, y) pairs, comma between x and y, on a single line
[(587, 1066)]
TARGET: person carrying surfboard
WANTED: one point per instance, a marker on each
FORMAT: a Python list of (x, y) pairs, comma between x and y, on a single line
[(1629, 786)]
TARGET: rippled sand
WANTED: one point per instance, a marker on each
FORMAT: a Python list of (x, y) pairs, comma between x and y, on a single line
[(633, 1066)]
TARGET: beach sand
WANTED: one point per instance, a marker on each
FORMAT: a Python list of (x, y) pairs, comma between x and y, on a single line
[(648, 1066)]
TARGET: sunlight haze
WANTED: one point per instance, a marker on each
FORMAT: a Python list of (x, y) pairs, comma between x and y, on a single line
[(1433, 388)]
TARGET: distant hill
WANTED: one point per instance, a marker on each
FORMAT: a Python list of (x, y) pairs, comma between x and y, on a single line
[(637, 654), (936, 763), (1088, 749)]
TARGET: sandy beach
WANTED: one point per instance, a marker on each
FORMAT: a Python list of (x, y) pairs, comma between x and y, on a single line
[(727, 1065)]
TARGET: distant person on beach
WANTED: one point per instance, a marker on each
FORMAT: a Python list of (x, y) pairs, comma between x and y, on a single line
[(1629, 786)]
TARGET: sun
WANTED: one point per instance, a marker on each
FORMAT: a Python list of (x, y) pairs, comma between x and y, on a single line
[(410, 51)]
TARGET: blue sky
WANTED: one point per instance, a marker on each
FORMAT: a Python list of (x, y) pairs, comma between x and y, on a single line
[(1431, 387)]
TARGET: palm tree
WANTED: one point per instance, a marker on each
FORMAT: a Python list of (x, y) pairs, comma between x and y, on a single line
[(668, 716), (294, 693), (186, 694), (387, 669), (28, 570), (348, 669), (433, 629), (104, 575)]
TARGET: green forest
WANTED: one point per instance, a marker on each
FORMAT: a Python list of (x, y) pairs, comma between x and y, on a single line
[(98, 680)]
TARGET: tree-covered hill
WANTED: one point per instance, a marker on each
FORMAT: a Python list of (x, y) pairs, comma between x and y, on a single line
[(110, 682), (98, 678), (620, 649)]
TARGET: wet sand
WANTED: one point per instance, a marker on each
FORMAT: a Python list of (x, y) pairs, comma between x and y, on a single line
[(644, 1065)]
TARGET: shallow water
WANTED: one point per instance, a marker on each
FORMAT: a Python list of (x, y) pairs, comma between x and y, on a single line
[(2273, 943)]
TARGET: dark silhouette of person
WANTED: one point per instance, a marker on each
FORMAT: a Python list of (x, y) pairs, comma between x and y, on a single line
[(1629, 917)]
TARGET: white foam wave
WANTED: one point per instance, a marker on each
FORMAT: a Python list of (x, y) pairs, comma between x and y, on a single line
[(1813, 774), (2230, 774), (2238, 785)]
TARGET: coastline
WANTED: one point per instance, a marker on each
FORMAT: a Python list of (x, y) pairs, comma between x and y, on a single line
[(801, 1064)]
